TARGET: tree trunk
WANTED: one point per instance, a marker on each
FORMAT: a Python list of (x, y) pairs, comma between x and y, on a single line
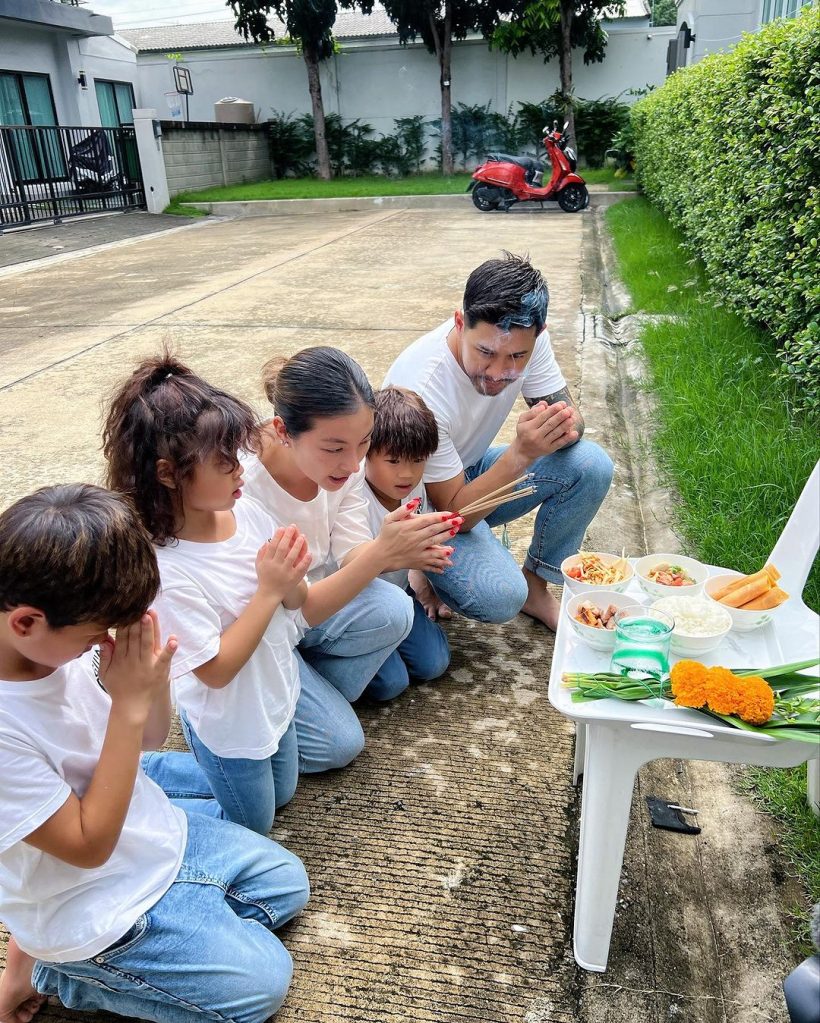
[(565, 63), (315, 86), (445, 51)]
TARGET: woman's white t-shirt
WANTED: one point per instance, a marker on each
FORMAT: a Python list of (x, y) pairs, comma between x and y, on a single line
[(467, 421), (204, 589), (51, 734), (376, 513), (334, 522)]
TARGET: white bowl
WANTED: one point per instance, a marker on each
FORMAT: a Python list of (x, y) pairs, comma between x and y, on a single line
[(742, 621), (598, 639), (643, 566), (685, 645), (576, 586)]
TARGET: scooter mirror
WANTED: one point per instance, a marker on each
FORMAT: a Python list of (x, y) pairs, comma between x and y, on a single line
[(546, 129)]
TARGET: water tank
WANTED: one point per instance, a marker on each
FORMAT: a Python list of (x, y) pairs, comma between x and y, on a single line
[(232, 110)]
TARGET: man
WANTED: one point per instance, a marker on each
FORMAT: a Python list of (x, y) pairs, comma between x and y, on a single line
[(470, 370)]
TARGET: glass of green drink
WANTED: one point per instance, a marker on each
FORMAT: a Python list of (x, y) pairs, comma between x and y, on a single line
[(642, 639)]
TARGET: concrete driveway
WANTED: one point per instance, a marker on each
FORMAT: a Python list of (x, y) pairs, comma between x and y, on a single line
[(442, 861)]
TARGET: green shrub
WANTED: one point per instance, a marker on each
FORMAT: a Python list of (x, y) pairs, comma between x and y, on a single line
[(291, 144), (729, 149), (597, 122)]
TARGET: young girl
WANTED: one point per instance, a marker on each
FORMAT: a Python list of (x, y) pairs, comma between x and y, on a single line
[(231, 592), (310, 471)]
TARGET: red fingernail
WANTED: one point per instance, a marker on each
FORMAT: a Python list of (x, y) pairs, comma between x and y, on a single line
[(453, 532)]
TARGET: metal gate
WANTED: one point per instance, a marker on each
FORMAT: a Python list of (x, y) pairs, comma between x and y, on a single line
[(50, 172)]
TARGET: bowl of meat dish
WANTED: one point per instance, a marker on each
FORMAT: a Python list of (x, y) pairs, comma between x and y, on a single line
[(670, 575), (593, 571), (592, 616)]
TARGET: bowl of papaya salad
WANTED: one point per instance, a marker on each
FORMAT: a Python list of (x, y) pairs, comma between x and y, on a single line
[(595, 570), (670, 575)]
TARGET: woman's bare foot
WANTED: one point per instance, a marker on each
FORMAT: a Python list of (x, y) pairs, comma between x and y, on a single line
[(540, 603), (19, 1001), (427, 596)]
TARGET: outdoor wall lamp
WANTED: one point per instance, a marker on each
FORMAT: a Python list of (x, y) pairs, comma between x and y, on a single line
[(81, 80)]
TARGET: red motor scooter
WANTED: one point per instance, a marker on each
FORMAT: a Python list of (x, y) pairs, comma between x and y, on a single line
[(502, 180)]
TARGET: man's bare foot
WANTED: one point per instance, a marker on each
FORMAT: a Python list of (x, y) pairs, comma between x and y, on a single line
[(19, 1001), (540, 603), (427, 596)]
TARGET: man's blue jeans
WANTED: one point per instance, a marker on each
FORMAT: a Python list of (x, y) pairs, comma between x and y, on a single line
[(422, 657), (206, 949), (324, 734), (349, 647), (485, 582)]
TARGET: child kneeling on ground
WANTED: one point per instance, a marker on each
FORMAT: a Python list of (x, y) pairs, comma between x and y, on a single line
[(404, 436), (117, 899)]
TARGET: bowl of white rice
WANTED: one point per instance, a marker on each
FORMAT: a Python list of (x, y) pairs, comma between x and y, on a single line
[(700, 624)]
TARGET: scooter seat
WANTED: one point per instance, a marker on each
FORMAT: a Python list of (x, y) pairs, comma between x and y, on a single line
[(527, 162)]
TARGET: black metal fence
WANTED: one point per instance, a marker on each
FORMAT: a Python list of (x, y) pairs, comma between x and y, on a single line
[(49, 172)]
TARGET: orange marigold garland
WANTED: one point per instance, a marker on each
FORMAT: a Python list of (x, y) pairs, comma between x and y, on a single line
[(688, 679), (756, 704), (694, 685), (722, 690)]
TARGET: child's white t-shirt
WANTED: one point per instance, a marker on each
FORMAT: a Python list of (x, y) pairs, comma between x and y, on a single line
[(467, 421), (204, 589), (334, 522), (51, 734), (376, 513)]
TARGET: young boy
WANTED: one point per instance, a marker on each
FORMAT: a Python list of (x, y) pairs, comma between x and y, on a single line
[(118, 900), (404, 436)]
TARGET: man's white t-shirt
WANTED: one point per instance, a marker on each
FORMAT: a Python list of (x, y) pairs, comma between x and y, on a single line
[(204, 589), (333, 523), (51, 734), (376, 513), (467, 421)]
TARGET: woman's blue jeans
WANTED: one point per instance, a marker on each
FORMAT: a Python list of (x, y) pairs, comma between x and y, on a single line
[(324, 734), (349, 647), (485, 582), (206, 950)]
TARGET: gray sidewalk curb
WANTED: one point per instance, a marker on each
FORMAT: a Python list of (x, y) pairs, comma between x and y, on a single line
[(368, 203)]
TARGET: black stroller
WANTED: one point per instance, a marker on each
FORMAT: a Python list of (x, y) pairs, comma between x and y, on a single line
[(91, 165)]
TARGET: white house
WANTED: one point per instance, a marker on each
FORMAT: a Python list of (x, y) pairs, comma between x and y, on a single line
[(705, 26), (62, 64)]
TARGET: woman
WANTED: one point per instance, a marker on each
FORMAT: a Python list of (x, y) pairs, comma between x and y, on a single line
[(310, 472)]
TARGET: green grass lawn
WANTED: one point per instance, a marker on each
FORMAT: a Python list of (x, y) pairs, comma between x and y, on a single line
[(375, 185), (726, 443)]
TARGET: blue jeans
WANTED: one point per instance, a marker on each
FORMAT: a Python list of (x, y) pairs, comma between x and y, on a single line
[(349, 647), (324, 734), (423, 656), (485, 583), (206, 949)]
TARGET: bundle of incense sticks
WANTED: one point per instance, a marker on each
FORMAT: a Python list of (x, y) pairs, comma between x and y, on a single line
[(500, 496)]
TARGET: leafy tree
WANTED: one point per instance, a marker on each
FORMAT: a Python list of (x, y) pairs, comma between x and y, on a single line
[(554, 28), (309, 24), (438, 23), (664, 12)]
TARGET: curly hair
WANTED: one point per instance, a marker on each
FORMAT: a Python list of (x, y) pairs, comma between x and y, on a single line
[(165, 411)]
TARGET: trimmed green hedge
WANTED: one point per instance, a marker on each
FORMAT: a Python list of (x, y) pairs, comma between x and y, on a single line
[(730, 150)]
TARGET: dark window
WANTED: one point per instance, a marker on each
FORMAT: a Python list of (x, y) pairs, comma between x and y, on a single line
[(26, 99), (116, 103)]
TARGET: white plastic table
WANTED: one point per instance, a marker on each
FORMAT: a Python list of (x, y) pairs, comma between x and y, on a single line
[(614, 738)]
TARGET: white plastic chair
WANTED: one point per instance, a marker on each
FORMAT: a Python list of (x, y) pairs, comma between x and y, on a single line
[(614, 739), (793, 554)]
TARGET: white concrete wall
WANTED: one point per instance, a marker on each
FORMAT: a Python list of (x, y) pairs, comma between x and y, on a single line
[(379, 81), (62, 57), (718, 26)]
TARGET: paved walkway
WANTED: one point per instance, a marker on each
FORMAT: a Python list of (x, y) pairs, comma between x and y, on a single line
[(442, 861)]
